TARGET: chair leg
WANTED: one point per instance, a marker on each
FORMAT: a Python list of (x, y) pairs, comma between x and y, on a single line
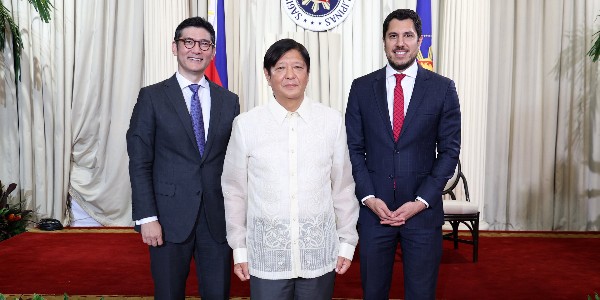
[(475, 239), (455, 233)]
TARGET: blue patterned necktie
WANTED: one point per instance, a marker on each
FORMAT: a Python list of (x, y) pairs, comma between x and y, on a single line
[(197, 119)]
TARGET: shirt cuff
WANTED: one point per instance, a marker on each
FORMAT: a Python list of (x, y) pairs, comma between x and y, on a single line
[(146, 220), (240, 255), (365, 198), (346, 251), (423, 200)]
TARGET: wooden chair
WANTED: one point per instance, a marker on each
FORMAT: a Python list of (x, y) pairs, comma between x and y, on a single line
[(457, 211)]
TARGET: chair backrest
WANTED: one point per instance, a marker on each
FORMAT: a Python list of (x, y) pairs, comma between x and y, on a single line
[(453, 182)]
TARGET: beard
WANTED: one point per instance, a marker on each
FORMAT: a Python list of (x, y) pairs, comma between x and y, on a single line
[(401, 67)]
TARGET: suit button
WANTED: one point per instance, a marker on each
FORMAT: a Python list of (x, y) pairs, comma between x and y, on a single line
[(397, 151), (390, 176)]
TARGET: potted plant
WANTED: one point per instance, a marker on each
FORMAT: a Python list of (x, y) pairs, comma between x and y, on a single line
[(13, 218)]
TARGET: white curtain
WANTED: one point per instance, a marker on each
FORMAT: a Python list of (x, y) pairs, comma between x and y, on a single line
[(542, 136), (35, 144), (339, 55), (464, 57), (528, 94), (108, 62)]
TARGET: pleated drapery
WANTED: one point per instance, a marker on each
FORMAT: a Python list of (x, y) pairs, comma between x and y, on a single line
[(528, 92)]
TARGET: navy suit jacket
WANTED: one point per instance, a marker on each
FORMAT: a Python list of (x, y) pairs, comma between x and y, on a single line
[(169, 179), (423, 158)]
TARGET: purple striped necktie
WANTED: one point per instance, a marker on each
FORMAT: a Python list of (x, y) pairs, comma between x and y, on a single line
[(197, 119)]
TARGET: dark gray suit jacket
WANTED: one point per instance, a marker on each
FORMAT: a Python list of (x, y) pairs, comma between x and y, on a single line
[(168, 177)]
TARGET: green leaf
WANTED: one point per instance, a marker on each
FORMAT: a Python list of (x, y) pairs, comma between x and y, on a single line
[(4, 195), (43, 7), (594, 52), (6, 18)]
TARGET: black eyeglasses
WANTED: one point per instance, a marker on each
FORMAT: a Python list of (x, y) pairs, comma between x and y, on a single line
[(190, 43)]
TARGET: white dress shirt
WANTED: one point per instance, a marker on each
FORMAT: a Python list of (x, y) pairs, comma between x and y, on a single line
[(289, 195), (408, 84)]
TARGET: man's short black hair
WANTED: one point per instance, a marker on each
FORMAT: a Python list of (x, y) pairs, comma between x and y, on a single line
[(403, 14), (195, 22), (279, 48)]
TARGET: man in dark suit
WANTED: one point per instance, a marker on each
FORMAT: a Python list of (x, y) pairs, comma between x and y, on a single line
[(404, 142), (176, 142)]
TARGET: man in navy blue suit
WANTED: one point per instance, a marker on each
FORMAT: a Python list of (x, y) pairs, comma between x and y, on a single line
[(403, 125), (177, 138)]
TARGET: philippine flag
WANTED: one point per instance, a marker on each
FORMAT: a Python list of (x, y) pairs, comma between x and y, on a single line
[(217, 70), (424, 11)]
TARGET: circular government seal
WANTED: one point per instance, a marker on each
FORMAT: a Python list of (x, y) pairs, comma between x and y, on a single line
[(318, 15)]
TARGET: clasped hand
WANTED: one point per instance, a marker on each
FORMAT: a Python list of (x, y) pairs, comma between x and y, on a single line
[(397, 217)]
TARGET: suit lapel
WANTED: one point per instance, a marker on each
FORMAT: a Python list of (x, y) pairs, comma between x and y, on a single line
[(418, 95), (216, 107), (381, 101), (175, 96)]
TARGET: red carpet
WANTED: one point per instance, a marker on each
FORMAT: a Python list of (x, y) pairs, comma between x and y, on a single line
[(516, 265)]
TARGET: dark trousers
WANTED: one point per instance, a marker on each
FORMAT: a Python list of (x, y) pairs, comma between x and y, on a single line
[(320, 288), (421, 256), (170, 265)]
